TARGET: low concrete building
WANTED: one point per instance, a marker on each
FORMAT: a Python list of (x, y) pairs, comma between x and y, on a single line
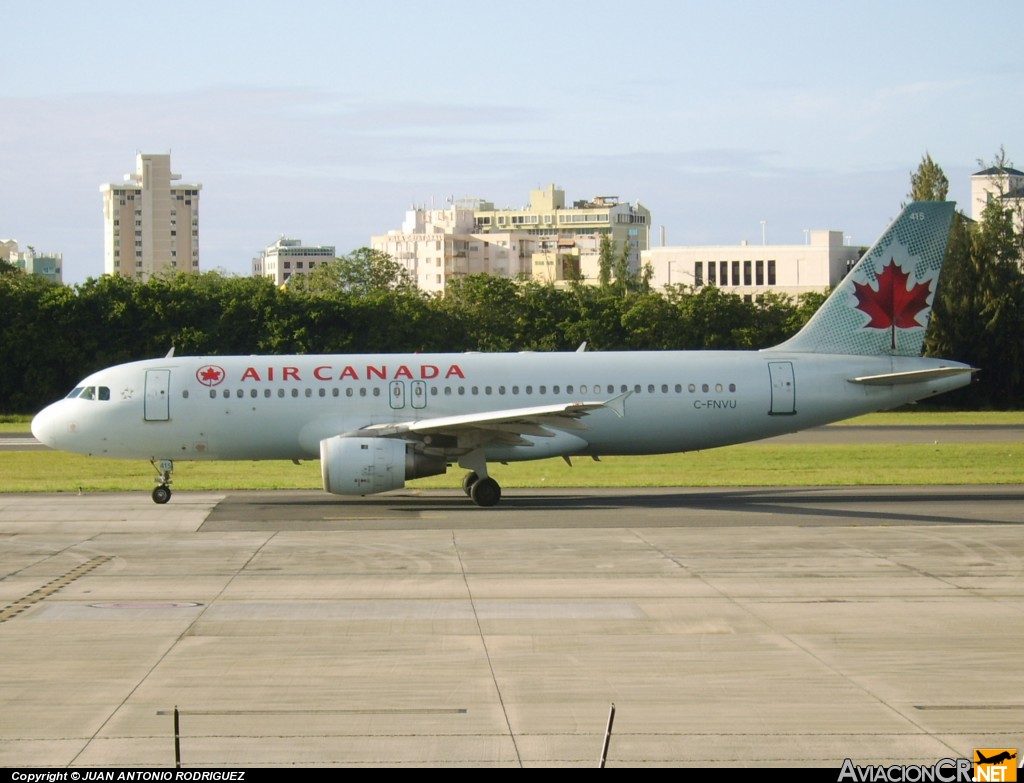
[(752, 270)]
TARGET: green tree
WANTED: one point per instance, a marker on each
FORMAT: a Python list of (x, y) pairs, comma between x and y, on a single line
[(361, 272), (605, 261), (928, 183), (977, 314)]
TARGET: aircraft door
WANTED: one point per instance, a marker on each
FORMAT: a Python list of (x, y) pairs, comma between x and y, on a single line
[(396, 394), (783, 389), (419, 394), (157, 404)]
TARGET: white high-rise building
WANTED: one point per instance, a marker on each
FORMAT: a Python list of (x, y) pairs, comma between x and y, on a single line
[(150, 226)]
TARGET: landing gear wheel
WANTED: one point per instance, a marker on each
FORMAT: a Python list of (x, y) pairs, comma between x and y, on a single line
[(161, 494), (486, 492), (468, 482)]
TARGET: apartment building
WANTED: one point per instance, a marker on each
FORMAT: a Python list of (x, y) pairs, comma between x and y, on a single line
[(289, 257), (545, 240), (150, 221)]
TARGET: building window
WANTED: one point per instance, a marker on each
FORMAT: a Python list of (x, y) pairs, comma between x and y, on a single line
[(698, 273), (747, 277), (771, 273)]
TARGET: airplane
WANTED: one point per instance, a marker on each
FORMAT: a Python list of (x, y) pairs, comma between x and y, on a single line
[(377, 421), (999, 758)]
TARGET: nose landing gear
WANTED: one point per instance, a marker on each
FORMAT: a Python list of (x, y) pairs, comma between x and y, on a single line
[(162, 490)]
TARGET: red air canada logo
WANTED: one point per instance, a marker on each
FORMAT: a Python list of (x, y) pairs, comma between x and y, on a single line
[(895, 304), (210, 375)]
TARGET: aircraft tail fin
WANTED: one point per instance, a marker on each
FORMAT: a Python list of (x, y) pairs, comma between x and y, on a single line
[(882, 307)]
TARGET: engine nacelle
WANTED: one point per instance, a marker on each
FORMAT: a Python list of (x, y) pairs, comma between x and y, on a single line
[(364, 466)]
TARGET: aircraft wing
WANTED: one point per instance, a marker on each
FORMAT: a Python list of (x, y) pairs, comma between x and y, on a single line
[(507, 425)]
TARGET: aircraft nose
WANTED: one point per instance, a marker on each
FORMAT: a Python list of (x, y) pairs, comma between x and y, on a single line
[(44, 426)]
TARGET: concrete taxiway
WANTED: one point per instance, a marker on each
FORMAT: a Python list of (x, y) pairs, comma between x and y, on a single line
[(740, 627)]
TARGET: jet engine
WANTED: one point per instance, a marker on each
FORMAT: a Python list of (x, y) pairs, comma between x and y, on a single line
[(364, 466)]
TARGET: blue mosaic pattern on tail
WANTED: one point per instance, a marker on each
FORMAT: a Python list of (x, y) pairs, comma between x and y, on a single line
[(916, 242)]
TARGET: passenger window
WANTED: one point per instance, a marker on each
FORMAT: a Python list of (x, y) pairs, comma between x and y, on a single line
[(501, 390), (376, 391), (568, 389), (362, 391), (348, 392), (664, 388), (583, 389), (280, 392), (334, 392), (226, 393), (704, 387), (529, 390), (732, 387), (213, 394), (254, 393), (650, 388), (637, 388), (240, 393), (295, 392), (266, 393), (515, 390), (554, 389), (309, 392)]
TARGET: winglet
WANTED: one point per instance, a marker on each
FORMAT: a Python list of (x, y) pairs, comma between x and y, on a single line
[(582, 348), (170, 353)]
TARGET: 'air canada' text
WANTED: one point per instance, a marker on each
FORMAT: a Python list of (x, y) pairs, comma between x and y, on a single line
[(369, 372)]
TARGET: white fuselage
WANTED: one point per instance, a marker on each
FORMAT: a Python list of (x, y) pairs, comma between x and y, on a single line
[(281, 407)]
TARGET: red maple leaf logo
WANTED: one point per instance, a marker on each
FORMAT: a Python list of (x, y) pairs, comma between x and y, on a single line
[(210, 375), (894, 304)]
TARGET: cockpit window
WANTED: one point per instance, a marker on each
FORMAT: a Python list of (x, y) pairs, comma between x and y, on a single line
[(90, 393)]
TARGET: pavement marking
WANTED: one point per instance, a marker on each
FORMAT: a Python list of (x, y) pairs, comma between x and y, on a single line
[(11, 611)]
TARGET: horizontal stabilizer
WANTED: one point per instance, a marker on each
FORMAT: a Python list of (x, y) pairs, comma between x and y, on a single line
[(913, 376)]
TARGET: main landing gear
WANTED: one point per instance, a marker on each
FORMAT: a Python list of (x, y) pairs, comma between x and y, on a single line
[(162, 490), (483, 491)]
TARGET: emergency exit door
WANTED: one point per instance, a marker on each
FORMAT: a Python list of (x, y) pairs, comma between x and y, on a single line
[(157, 405), (783, 389)]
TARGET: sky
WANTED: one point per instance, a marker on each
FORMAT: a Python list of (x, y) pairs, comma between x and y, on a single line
[(326, 121)]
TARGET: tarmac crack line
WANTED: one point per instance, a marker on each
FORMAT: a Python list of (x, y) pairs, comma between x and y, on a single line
[(487, 652), (796, 644), (174, 643)]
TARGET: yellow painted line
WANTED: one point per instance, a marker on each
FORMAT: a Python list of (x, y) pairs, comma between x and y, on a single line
[(13, 610)]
